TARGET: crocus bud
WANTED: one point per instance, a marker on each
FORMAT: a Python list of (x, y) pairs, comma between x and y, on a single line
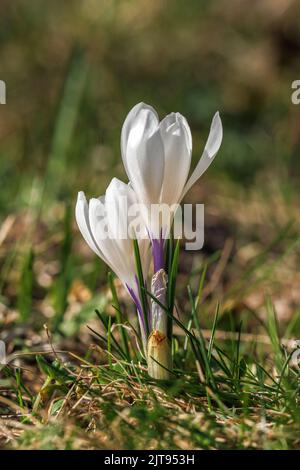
[(159, 356), (159, 291), (159, 353)]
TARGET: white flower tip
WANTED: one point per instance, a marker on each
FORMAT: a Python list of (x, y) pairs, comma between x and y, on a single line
[(116, 186), (81, 203), (138, 106), (94, 202), (215, 136), (217, 120), (114, 182), (81, 196), (142, 106)]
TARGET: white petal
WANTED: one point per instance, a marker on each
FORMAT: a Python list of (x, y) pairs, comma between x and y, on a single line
[(119, 213), (146, 168), (118, 197), (82, 219), (177, 142), (108, 246), (142, 152), (212, 146), (171, 118), (95, 218), (133, 121), (188, 132)]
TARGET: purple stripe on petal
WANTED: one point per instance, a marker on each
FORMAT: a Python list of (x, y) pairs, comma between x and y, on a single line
[(158, 253), (138, 307), (157, 245), (149, 316)]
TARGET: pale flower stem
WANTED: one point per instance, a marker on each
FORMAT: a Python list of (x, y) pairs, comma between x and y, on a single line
[(159, 356), (159, 291), (159, 351)]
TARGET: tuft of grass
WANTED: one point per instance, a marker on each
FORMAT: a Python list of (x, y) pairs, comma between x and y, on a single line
[(120, 316), (220, 398)]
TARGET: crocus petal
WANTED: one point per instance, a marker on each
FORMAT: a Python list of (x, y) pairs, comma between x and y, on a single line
[(212, 146), (143, 153), (115, 258), (108, 221), (131, 121), (82, 219), (177, 140), (118, 198)]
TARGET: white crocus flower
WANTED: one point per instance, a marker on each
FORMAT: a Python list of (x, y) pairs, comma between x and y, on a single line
[(157, 155), (104, 224), (157, 159)]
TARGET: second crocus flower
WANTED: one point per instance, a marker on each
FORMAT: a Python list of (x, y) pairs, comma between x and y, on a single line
[(104, 224)]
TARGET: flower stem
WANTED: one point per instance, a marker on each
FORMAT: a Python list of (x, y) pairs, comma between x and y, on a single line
[(159, 356), (159, 351)]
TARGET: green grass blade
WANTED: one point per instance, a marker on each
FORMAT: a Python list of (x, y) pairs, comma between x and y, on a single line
[(201, 342), (120, 317), (272, 329), (172, 276), (213, 331), (141, 282), (109, 342)]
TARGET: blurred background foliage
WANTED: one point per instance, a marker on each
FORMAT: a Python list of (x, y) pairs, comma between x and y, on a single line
[(83, 64), (74, 69)]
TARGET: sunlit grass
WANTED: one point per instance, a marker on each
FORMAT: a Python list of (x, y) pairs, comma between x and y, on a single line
[(76, 377), (230, 388)]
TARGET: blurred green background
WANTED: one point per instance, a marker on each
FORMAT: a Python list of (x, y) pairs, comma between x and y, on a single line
[(74, 69)]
